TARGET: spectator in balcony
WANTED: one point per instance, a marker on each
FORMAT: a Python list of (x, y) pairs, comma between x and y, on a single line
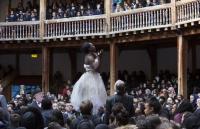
[(134, 5), (118, 8), (98, 10), (54, 15), (89, 11), (73, 10), (155, 2), (49, 13), (27, 16), (67, 13), (20, 16), (82, 10), (12, 16), (33, 16), (149, 3), (60, 13), (126, 6)]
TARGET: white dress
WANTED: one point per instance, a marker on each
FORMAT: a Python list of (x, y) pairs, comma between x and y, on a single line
[(90, 86)]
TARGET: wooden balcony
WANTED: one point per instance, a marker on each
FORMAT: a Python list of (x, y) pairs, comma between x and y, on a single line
[(161, 17)]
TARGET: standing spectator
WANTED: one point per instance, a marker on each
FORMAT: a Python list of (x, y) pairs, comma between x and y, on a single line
[(119, 97), (37, 101), (98, 10)]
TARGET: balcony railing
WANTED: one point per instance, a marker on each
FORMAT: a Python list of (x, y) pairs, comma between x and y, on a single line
[(75, 27), (19, 30), (154, 17)]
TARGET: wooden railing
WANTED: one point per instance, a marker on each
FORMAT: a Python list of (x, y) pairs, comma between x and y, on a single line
[(19, 30), (188, 11), (76, 27), (139, 19), (154, 17)]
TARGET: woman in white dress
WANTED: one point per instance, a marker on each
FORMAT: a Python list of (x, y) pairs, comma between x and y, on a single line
[(90, 86)]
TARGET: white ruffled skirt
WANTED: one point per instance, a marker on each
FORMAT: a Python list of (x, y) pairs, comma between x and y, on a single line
[(90, 86)]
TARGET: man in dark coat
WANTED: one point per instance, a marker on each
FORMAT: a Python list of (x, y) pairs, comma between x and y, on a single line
[(119, 97), (37, 99)]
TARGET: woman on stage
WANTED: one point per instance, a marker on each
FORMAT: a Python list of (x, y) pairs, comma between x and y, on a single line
[(90, 86)]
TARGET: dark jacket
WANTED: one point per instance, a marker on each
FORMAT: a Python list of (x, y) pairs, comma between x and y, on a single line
[(126, 100), (35, 105)]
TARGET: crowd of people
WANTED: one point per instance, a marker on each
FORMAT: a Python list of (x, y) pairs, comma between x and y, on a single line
[(138, 103), (66, 9), (28, 13)]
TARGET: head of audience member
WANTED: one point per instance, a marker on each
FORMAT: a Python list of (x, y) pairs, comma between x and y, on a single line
[(152, 106), (120, 87), (38, 95), (86, 107), (46, 104), (32, 119)]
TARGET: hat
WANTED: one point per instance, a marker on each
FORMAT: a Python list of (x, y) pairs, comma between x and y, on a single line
[(37, 90)]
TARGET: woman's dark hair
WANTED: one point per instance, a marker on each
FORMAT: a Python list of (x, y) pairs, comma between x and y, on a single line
[(185, 106), (153, 102), (86, 107), (46, 104), (86, 47), (32, 119), (57, 116)]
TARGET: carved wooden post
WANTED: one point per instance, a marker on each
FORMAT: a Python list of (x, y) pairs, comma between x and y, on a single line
[(152, 51), (113, 66), (73, 60), (194, 55), (42, 17), (173, 13), (108, 8), (182, 46), (45, 68)]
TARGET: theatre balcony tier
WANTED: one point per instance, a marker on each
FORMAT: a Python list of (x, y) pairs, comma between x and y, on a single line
[(165, 17)]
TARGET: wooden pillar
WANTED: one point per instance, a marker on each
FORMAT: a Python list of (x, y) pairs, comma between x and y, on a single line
[(73, 60), (152, 51), (107, 9), (42, 17), (173, 13), (182, 46), (45, 68), (194, 55), (9, 5), (113, 66)]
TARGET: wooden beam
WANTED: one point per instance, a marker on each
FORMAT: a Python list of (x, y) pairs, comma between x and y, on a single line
[(113, 66), (45, 69), (42, 18), (182, 46)]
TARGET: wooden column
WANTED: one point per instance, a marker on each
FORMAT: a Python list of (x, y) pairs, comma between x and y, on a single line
[(182, 46), (45, 68), (73, 60), (113, 66), (194, 55), (108, 10), (9, 5), (152, 51), (173, 13), (42, 17)]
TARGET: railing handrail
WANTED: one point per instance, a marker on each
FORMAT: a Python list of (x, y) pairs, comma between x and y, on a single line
[(81, 18), (184, 2), (140, 10), (19, 23)]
